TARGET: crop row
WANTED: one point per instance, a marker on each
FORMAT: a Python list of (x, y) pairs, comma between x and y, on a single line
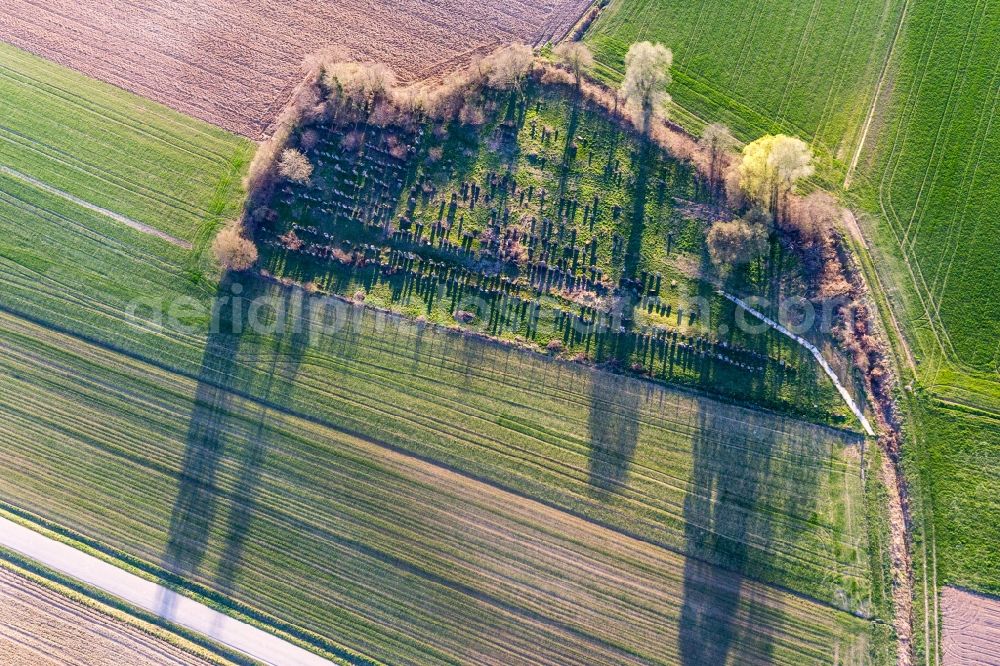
[(368, 546)]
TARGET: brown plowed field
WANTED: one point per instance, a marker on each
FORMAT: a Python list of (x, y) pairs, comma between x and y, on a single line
[(234, 62), (971, 628), (39, 627)]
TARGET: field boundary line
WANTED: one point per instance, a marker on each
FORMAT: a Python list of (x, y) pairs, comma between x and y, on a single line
[(815, 352), (127, 221), (155, 598), (878, 92)]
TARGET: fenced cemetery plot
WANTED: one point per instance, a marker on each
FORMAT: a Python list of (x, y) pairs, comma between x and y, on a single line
[(234, 63), (552, 226)]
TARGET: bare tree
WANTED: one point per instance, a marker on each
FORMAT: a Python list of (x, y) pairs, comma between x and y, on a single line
[(294, 166), (362, 83), (507, 67), (234, 251), (308, 139), (471, 114), (324, 57), (771, 166), (812, 215), (576, 56), (716, 141), (647, 75)]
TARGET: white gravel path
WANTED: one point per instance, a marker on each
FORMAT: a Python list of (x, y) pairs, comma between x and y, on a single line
[(815, 352)]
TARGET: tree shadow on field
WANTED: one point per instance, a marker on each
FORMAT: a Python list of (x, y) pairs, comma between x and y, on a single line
[(633, 248), (718, 514), (613, 428), (290, 342), (744, 477), (237, 359)]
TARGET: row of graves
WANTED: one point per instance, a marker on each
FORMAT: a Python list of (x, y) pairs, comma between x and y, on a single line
[(362, 185), (497, 305), (497, 256)]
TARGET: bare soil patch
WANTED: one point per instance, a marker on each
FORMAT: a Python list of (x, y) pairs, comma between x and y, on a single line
[(970, 634), (40, 627), (234, 64)]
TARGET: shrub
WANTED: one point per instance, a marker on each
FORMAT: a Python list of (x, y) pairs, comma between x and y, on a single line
[(397, 148), (294, 166), (507, 67), (383, 114), (812, 216), (360, 83), (291, 240), (352, 141), (471, 114), (576, 56), (716, 142), (233, 251), (309, 139)]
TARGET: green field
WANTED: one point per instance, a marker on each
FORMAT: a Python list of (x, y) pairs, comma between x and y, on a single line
[(362, 544), (932, 181), (115, 150), (803, 68), (392, 489), (960, 467), (928, 184)]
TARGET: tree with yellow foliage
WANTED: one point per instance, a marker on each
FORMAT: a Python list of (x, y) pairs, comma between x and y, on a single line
[(771, 166)]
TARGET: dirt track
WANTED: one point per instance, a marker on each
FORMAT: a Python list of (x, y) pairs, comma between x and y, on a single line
[(971, 628), (234, 63), (39, 627)]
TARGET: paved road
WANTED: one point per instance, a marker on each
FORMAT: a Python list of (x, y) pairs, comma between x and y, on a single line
[(155, 598)]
